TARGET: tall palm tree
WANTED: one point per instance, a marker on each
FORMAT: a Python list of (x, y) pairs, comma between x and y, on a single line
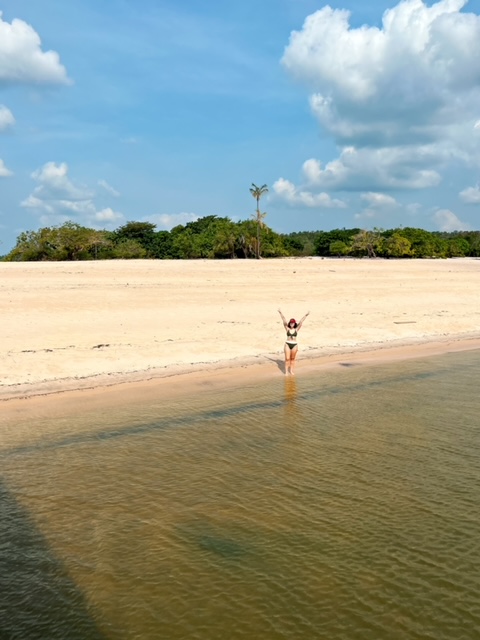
[(257, 193)]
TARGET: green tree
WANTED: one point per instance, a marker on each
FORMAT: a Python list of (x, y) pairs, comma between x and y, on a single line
[(424, 244), (257, 193), (396, 246), (208, 237), (34, 246), (142, 232), (473, 238), (293, 245), (186, 245), (129, 249), (225, 239), (324, 239), (367, 243), (75, 242), (162, 245), (69, 241), (339, 248), (457, 247), (245, 246)]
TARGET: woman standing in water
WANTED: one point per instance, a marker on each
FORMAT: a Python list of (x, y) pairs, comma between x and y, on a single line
[(292, 328)]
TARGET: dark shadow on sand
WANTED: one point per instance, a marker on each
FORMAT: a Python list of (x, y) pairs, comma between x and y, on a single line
[(280, 363), (38, 600)]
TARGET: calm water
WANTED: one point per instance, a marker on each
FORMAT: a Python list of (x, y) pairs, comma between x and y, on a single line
[(343, 505)]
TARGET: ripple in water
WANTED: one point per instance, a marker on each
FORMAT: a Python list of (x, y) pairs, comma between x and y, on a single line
[(340, 506)]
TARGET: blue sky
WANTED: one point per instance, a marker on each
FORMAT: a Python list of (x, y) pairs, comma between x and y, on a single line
[(354, 114)]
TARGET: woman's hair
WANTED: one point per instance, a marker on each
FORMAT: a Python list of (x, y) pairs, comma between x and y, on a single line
[(292, 321)]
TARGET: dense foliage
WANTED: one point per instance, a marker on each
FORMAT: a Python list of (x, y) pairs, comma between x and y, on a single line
[(408, 242), (221, 238)]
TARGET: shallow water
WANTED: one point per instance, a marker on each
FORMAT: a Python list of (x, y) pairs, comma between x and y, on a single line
[(341, 505)]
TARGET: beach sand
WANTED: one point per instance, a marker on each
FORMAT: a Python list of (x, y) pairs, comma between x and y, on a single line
[(69, 328)]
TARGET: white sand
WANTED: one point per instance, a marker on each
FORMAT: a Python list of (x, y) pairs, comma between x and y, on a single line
[(69, 326)]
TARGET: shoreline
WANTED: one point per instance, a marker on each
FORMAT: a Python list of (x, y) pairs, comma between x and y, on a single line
[(112, 328), (61, 397)]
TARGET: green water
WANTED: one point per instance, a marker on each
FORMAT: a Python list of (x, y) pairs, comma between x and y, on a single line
[(341, 505)]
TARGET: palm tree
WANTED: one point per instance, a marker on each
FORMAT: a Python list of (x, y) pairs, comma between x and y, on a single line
[(257, 193)]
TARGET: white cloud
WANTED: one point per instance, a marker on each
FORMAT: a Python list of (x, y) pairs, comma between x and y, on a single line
[(375, 169), (39, 205), (393, 80), (312, 170), (287, 191), (111, 190), (378, 200), (167, 221), (54, 184), (399, 100), (22, 60), (471, 195), (56, 199), (377, 205), (446, 220), (108, 215), (4, 171), (6, 117)]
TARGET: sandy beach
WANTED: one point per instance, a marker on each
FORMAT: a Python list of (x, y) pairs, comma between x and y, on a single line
[(96, 325)]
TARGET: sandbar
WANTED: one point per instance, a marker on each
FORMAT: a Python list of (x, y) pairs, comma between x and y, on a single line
[(110, 329)]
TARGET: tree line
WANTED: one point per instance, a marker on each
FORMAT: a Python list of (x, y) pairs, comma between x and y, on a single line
[(214, 237)]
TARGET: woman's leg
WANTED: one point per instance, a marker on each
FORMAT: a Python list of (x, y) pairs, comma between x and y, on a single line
[(293, 356), (287, 351)]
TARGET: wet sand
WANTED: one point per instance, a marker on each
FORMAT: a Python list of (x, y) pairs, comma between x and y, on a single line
[(112, 331)]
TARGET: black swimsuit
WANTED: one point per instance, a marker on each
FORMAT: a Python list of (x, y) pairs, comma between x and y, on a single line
[(291, 334)]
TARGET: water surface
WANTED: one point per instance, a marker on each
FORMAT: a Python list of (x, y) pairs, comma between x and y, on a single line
[(340, 505)]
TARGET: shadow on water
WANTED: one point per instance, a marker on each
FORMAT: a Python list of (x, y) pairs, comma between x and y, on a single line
[(38, 600)]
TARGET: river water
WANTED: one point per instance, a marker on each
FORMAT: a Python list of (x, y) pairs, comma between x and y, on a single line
[(341, 505)]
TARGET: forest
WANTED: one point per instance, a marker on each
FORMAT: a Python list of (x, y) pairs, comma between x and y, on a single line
[(214, 237)]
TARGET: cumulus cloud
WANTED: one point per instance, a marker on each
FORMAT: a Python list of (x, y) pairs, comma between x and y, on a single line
[(385, 168), (287, 191), (363, 169), (399, 100), (108, 215), (4, 171), (378, 200), (54, 184), (167, 221), (446, 220), (392, 80), (56, 198), (22, 60), (6, 117), (471, 195)]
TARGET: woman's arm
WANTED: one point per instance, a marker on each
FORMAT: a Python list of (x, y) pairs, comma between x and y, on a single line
[(283, 319), (299, 325)]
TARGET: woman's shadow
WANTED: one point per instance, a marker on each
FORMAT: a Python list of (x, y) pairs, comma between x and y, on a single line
[(279, 362)]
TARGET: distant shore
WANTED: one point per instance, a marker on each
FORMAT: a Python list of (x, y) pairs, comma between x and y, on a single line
[(85, 327)]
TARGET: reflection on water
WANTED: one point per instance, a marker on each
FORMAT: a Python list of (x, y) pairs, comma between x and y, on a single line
[(340, 506), (290, 397)]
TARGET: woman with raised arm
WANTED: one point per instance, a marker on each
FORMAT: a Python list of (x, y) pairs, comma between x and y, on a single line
[(292, 328)]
